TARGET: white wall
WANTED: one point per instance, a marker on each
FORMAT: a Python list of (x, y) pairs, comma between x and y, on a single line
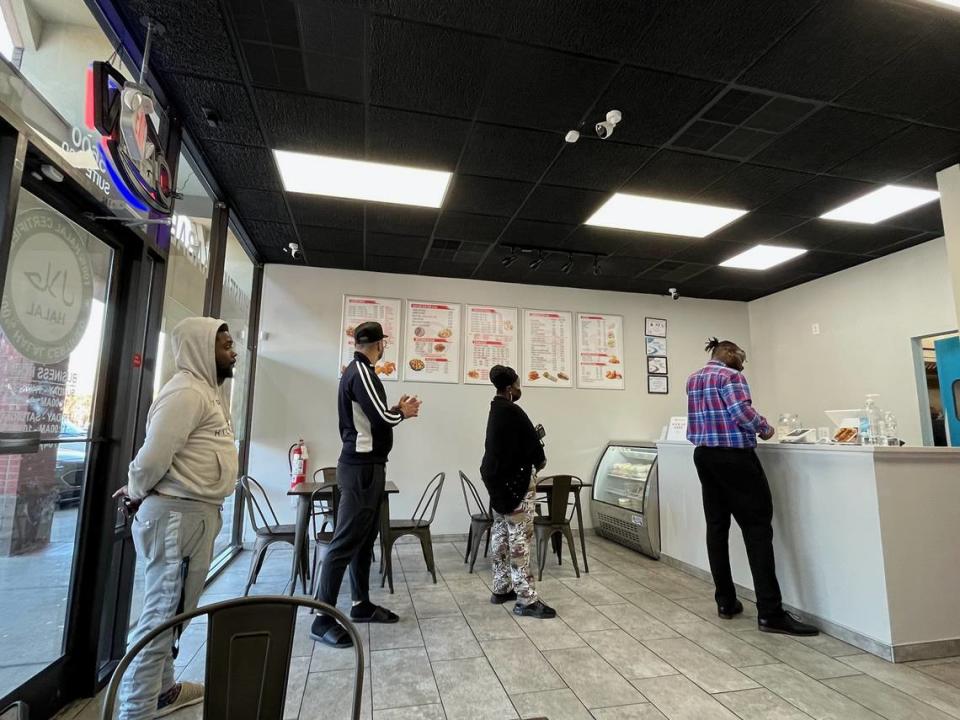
[(296, 381), (867, 316)]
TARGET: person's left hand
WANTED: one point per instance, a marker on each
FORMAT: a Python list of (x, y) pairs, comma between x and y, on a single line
[(767, 434)]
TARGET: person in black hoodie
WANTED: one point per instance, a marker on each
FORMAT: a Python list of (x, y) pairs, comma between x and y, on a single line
[(513, 455)]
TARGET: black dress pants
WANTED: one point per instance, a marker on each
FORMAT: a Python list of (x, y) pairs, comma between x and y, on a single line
[(734, 484), (358, 522)]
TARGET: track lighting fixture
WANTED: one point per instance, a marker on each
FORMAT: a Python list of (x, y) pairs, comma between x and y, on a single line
[(568, 265), (596, 265), (510, 259), (537, 262)]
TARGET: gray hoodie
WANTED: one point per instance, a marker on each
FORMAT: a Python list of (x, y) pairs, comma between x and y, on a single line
[(189, 450)]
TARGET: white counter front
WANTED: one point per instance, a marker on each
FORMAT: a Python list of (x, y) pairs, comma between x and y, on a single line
[(867, 540)]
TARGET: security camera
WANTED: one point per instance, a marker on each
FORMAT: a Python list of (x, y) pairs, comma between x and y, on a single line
[(672, 292), (605, 128), (293, 250)]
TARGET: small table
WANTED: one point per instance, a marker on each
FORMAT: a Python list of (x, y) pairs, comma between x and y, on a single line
[(304, 493), (547, 486)]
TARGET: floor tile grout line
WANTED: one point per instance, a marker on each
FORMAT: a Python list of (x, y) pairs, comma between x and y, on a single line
[(883, 682)]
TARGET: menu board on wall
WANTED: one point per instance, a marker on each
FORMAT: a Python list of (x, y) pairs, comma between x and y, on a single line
[(432, 342), (547, 348), (386, 311), (490, 338), (600, 351)]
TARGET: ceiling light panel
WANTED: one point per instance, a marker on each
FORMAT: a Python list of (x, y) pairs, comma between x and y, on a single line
[(762, 257), (881, 204), (358, 180), (667, 217)]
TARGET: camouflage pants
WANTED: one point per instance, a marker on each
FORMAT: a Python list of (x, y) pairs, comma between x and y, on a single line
[(511, 538)]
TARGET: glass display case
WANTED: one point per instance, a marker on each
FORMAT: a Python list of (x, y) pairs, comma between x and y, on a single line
[(625, 505)]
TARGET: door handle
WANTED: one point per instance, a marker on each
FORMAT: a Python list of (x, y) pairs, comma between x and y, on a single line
[(19, 443)]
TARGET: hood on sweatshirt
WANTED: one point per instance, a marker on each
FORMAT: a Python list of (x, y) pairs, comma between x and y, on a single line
[(195, 348)]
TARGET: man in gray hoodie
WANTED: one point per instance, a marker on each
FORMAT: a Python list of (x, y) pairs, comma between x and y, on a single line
[(176, 485)]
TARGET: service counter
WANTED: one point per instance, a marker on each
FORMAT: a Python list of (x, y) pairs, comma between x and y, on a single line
[(867, 540)]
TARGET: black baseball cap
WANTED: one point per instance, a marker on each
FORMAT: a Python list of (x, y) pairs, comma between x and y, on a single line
[(368, 332)]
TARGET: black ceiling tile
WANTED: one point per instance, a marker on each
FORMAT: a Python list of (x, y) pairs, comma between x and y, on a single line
[(837, 46), (391, 264), (250, 20), (241, 166), (470, 252), (331, 240), (331, 29), (818, 196), (311, 124), (327, 212), (711, 252), (485, 196), (731, 277), (275, 256), (672, 174), (756, 227), (736, 293), (607, 29), (736, 105), (407, 246), (409, 138), (562, 204), (827, 138), (649, 245), (259, 205), (333, 75), (673, 271), (814, 262), (537, 87), (339, 261), (702, 135), (481, 16), (926, 178), (910, 242), (475, 228), (927, 217), (597, 164), (533, 232), (749, 186), (780, 114), (909, 151), (431, 69), (512, 153), (282, 23), (238, 124), (843, 237), (447, 268), (270, 234), (290, 69), (616, 266), (588, 238), (260, 64), (400, 220), (743, 143), (924, 76), (948, 115), (655, 106), (494, 269), (715, 38)]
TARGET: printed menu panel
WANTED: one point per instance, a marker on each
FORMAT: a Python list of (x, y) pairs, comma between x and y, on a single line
[(547, 348), (490, 339), (432, 342), (600, 351), (386, 311)]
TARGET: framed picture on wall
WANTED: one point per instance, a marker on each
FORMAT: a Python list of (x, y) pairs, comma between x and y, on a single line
[(657, 365), (656, 346), (658, 384), (657, 327)]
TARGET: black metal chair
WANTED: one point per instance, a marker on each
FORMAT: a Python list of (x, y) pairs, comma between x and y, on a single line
[(557, 523), (15, 711), (418, 525), (267, 532), (249, 641), (481, 521), (322, 506), (322, 536)]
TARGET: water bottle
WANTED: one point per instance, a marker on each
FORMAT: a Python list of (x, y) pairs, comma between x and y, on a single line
[(870, 421)]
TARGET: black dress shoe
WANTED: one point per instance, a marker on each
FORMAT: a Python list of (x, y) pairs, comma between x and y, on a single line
[(536, 609), (500, 599), (786, 624), (728, 612)]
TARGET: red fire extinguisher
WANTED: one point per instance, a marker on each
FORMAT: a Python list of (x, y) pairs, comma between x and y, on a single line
[(297, 459)]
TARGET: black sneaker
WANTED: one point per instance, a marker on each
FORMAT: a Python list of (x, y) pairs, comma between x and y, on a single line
[(728, 612), (536, 609), (501, 598), (786, 624)]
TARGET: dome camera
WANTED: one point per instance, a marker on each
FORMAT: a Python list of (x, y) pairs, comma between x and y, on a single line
[(605, 129), (673, 293)]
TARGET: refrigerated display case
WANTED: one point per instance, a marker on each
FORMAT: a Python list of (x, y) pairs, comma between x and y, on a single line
[(626, 496)]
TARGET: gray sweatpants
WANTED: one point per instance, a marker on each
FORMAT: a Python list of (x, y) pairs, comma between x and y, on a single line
[(166, 531)]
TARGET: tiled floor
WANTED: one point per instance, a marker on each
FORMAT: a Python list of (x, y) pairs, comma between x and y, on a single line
[(635, 640)]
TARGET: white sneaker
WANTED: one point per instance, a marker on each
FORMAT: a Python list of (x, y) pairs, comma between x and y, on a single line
[(190, 694)]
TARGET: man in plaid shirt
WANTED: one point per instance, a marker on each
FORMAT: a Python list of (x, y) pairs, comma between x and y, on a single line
[(723, 425)]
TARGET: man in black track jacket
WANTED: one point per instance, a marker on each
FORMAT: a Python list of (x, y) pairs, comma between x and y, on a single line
[(366, 429)]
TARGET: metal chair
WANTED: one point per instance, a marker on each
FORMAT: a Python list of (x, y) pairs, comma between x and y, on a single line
[(557, 523), (267, 532), (418, 525), (481, 523), (15, 711), (323, 506), (322, 536), (249, 641)]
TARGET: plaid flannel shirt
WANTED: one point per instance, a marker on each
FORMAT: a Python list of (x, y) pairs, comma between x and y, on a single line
[(719, 410)]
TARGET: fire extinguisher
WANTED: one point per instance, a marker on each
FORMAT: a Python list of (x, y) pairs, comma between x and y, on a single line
[(297, 460)]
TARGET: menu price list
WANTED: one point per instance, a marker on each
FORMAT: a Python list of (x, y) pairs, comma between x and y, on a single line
[(432, 342), (600, 345), (491, 339), (386, 311), (547, 348)]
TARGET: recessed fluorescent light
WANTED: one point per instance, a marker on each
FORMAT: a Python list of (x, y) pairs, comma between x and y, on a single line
[(359, 180), (762, 257), (881, 204), (668, 217)]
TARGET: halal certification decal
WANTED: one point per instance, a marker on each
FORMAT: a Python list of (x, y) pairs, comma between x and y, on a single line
[(49, 288)]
